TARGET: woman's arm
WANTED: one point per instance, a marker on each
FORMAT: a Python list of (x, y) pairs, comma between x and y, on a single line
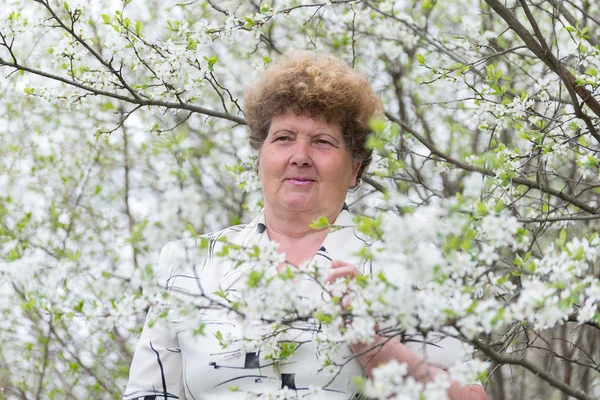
[(156, 370), (384, 349)]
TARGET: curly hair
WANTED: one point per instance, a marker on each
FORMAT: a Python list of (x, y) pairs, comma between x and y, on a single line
[(320, 85)]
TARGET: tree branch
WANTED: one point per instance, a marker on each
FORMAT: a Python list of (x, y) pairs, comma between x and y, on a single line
[(38, 393), (548, 58), (93, 52), (543, 187), (571, 20), (132, 100), (563, 218), (512, 360), (113, 390), (376, 185)]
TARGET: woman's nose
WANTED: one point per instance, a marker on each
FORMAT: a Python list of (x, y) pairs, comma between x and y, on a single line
[(301, 154)]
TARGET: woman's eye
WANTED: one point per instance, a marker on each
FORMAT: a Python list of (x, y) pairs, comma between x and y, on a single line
[(323, 142), (282, 139)]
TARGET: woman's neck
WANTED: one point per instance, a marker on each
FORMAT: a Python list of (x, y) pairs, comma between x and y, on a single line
[(296, 238)]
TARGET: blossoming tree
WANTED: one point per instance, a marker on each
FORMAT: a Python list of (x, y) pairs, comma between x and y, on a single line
[(122, 129)]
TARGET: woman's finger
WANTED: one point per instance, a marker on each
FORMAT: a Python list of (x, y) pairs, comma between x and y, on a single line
[(339, 263), (341, 270)]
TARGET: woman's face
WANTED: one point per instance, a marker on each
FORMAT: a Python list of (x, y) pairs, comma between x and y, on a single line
[(305, 166)]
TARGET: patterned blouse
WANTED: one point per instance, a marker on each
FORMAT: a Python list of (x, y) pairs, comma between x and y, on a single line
[(172, 361)]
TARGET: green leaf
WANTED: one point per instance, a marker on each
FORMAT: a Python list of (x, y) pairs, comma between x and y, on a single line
[(499, 206), (421, 59), (562, 239), (359, 382), (287, 349), (192, 44), (450, 313), (106, 18), (199, 330), (320, 223), (578, 256), (106, 106), (28, 305), (211, 62), (530, 267), (79, 306), (427, 5), (220, 293), (322, 317), (481, 209), (254, 278), (518, 261), (374, 142), (369, 226), (377, 124)]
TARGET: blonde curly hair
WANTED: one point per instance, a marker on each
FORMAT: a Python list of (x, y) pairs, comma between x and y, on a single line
[(318, 84)]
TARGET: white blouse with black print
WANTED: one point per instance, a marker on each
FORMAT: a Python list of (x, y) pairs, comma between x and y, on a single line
[(172, 362)]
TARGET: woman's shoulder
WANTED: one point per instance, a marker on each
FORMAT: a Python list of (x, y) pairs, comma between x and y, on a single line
[(185, 251), (189, 256)]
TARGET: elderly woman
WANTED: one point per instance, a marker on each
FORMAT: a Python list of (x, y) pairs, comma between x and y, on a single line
[(308, 119)]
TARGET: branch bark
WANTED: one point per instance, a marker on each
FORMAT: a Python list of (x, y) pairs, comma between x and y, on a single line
[(541, 50), (543, 187), (139, 101), (52, 331), (559, 4), (93, 52), (528, 365)]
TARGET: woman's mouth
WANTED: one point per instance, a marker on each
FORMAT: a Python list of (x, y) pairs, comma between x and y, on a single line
[(300, 181)]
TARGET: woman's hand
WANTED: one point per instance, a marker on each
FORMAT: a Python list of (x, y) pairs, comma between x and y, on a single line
[(385, 349), (341, 270)]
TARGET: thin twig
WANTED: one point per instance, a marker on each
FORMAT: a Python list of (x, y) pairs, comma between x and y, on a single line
[(530, 366), (548, 58), (132, 100), (515, 181), (563, 218)]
